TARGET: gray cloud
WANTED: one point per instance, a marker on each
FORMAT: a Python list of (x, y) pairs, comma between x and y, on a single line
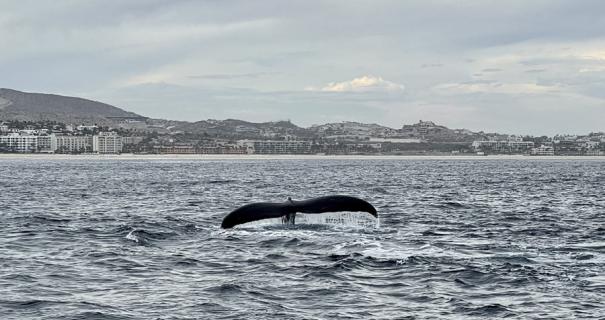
[(535, 71), (232, 76), (432, 65), (491, 70), (213, 59)]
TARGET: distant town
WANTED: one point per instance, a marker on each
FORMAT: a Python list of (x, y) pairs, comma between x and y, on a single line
[(50, 123), (140, 135)]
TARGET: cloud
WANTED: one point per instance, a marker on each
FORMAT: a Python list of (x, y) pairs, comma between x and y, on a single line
[(192, 103), (366, 83), (496, 87), (226, 76), (146, 78), (231, 56), (432, 65)]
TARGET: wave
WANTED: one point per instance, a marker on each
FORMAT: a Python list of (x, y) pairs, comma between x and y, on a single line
[(145, 237)]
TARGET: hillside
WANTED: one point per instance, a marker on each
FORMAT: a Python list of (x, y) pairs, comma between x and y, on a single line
[(348, 128), (429, 131), (239, 128), (24, 106)]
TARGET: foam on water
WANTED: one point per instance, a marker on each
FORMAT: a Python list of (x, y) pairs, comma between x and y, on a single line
[(132, 236), (348, 219), (342, 219)]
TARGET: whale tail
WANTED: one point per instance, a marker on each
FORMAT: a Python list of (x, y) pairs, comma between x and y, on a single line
[(287, 210)]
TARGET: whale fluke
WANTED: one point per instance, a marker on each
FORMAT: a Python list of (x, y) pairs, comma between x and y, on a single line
[(266, 210)]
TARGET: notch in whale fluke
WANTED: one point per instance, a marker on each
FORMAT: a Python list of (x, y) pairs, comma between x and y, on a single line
[(266, 210)]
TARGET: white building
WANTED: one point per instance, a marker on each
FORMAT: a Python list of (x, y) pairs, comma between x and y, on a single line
[(45, 144), (502, 146), (395, 140), (590, 144), (132, 140), (83, 127), (107, 142), (247, 129), (275, 147), (543, 151), (69, 144), (26, 143), (425, 126)]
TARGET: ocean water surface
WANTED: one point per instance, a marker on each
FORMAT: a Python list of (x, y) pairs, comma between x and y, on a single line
[(140, 239)]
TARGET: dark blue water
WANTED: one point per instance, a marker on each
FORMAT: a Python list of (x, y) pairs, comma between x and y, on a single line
[(110, 239)]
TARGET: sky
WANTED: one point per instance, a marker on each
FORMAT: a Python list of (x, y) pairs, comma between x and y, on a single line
[(520, 67)]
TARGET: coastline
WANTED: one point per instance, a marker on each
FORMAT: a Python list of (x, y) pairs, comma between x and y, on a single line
[(131, 156)]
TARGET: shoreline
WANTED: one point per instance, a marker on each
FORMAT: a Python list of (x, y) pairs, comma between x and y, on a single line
[(131, 156)]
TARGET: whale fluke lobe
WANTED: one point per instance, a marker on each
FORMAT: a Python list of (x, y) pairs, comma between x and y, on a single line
[(255, 211), (334, 204), (266, 210)]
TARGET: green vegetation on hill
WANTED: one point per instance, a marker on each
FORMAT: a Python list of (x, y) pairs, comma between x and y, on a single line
[(24, 106)]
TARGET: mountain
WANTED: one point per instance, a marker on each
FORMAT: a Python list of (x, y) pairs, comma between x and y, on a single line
[(349, 128), (17, 105), (239, 128), (429, 131)]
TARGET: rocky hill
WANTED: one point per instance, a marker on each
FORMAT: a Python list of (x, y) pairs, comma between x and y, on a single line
[(244, 129), (348, 128), (429, 131), (25, 106)]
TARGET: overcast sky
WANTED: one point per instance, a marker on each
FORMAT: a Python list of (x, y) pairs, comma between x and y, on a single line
[(528, 67)]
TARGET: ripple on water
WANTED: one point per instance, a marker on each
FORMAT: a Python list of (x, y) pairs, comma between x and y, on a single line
[(115, 239)]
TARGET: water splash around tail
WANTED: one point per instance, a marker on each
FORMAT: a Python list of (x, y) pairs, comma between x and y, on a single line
[(347, 219)]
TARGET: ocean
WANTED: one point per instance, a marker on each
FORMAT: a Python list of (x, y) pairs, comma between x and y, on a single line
[(111, 238)]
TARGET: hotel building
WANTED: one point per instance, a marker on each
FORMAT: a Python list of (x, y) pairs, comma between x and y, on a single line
[(107, 142)]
